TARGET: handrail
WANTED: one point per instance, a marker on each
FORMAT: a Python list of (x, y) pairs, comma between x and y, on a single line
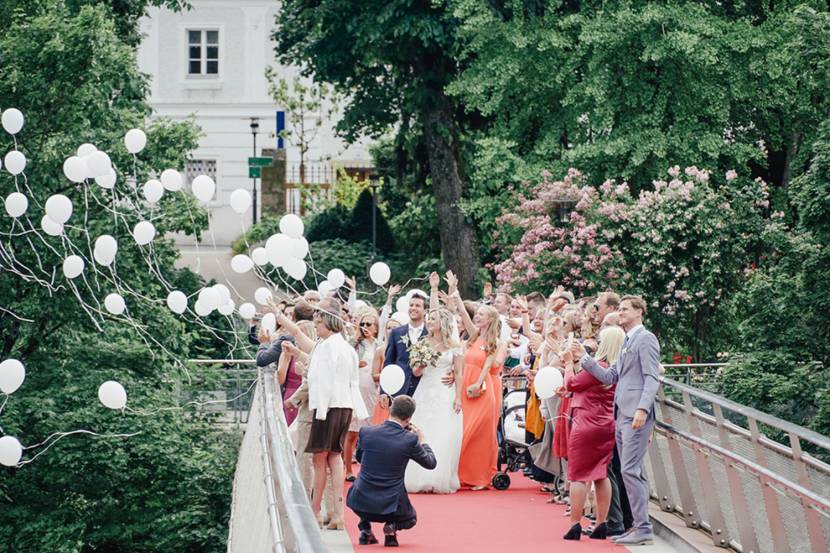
[(749, 412), (292, 497), (803, 493)]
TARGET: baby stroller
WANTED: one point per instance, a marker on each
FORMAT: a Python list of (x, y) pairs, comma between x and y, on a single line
[(511, 431)]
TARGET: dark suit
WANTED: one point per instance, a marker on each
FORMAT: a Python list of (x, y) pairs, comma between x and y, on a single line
[(397, 354), (379, 494)]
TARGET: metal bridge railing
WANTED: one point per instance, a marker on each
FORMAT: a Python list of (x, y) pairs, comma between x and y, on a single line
[(712, 463)]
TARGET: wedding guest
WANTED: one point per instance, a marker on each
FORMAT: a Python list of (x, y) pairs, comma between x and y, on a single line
[(401, 338), (591, 440), (312, 297), (502, 303), (611, 319), (334, 397), (479, 406), (287, 375), (367, 343), (636, 374)]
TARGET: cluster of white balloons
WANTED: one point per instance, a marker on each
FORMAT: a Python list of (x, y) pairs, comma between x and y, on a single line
[(90, 163), (214, 298), (12, 375)]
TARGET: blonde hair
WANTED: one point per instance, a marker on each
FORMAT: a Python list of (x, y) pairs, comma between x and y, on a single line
[(492, 331), (362, 314), (446, 320), (611, 340)]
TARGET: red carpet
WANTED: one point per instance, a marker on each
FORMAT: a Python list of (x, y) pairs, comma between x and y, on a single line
[(517, 519)]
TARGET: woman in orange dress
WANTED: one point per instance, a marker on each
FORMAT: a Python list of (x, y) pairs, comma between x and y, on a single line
[(483, 359)]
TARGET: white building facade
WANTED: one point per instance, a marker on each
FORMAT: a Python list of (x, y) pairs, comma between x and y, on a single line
[(209, 63)]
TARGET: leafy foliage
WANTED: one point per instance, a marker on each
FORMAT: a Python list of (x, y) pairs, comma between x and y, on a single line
[(72, 71)]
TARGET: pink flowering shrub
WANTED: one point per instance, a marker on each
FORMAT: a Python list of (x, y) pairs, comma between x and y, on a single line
[(544, 252), (683, 245)]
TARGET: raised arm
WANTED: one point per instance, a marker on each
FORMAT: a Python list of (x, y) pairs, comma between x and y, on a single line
[(434, 281), (305, 343), (607, 376), (282, 368)]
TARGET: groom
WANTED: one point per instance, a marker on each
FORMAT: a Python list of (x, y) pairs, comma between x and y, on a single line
[(384, 451), (400, 338)]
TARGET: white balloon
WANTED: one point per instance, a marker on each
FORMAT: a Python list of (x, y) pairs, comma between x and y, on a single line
[(291, 225), (12, 120), (241, 263), (247, 311), (380, 273), (86, 149), (10, 451), (227, 308), (177, 302), (144, 232), (336, 277), (171, 180), (50, 227), (391, 379), (224, 293), (15, 162), (203, 188), (16, 204), (299, 247), (401, 317), (402, 304), (135, 140), (278, 248), (296, 268), (12, 374), (260, 256), (112, 395), (107, 181), (153, 190), (240, 200), (201, 309), (210, 298), (262, 295), (73, 266), (359, 305), (269, 322), (98, 164), (325, 288), (59, 208), (105, 249), (547, 381), (75, 169), (115, 304)]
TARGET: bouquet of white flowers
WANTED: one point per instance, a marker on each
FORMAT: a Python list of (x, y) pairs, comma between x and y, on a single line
[(422, 354)]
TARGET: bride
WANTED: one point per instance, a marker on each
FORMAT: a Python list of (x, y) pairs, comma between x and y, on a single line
[(438, 412)]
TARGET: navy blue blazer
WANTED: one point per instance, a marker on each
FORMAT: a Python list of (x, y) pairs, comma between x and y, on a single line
[(383, 452), (396, 354)]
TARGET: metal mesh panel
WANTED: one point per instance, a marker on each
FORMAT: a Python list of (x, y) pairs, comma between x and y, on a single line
[(714, 438)]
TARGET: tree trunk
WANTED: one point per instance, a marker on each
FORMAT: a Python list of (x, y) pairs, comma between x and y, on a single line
[(459, 245)]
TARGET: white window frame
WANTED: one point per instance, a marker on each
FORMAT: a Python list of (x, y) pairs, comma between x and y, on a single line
[(203, 46), (214, 201)]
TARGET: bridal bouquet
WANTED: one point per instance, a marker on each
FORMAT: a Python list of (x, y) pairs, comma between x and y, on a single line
[(422, 354)]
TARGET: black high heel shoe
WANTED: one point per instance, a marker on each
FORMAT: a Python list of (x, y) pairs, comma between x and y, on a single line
[(600, 532), (574, 533)]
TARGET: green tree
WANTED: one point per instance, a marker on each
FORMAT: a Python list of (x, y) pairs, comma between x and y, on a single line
[(361, 224), (393, 59), (70, 67)]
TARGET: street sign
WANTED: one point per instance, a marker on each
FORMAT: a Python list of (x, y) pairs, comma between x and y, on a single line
[(260, 161), (254, 173)]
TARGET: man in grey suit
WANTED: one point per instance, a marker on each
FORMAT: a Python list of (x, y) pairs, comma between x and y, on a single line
[(637, 376)]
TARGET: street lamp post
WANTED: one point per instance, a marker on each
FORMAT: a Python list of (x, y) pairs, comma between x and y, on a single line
[(374, 183), (254, 131)]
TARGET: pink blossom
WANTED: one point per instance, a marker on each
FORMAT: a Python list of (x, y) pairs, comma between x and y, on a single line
[(674, 171), (731, 175)]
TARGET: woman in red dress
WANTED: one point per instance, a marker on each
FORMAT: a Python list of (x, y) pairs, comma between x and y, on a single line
[(591, 439)]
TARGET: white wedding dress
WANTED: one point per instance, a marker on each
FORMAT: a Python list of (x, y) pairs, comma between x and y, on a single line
[(442, 428)]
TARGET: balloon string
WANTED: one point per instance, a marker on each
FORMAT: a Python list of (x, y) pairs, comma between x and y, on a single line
[(61, 435), (195, 403)]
